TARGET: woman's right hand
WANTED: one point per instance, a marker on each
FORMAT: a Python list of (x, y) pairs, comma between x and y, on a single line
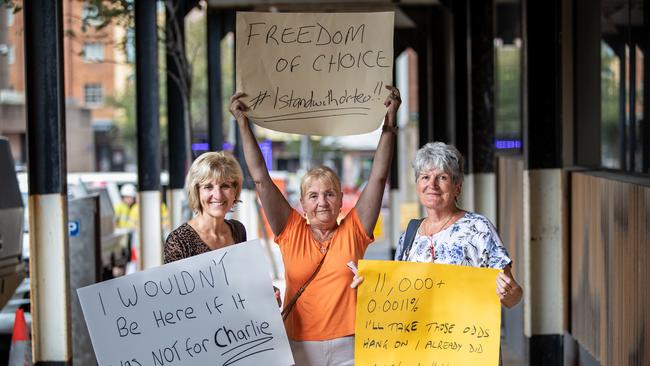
[(356, 280), (237, 107)]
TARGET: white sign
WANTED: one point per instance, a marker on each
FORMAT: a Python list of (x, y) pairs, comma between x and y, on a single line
[(217, 308), (315, 73)]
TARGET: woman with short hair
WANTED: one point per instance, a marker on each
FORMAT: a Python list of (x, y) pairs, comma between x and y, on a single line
[(320, 305), (213, 185), (449, 234)]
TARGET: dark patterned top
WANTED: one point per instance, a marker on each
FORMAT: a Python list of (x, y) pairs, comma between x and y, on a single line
[(185, 242)]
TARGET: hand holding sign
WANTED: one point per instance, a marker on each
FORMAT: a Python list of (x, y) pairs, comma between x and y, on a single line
[(317, 74), (216, 308), (419, 313)]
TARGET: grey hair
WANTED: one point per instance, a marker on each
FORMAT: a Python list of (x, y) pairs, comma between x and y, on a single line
[(438, 155)]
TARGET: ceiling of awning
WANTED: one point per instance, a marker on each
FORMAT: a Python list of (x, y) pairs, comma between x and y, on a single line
[(323, 4), (326, 6)]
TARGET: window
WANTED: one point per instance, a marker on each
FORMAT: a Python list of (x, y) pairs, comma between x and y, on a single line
[(610, 84), (93, 94), (625, 138), (90, 15), (130, 45), (93, 52), (507, 77), (11, 55), (10, 16), (507, 95)]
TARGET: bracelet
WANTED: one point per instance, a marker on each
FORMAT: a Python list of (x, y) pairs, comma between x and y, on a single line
[(386, 128)]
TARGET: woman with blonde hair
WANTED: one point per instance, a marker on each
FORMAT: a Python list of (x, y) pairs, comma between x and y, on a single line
[(213, 184), (320, 305)]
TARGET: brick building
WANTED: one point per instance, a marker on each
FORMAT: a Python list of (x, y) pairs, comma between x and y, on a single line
[(94, 68)]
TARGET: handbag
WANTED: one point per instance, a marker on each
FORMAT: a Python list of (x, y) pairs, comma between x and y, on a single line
[(409, 236), (287, 309)]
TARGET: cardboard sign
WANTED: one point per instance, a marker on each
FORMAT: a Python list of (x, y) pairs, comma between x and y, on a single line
[(217, 308), (414, 314), (315, 74)]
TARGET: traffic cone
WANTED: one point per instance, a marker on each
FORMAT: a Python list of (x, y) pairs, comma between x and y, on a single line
[(132, 265), (20, 353)]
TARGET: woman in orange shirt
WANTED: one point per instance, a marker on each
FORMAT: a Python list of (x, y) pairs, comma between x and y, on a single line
[(316, 248)]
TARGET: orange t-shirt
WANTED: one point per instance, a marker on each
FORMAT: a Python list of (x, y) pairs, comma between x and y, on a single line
[(326, 309)]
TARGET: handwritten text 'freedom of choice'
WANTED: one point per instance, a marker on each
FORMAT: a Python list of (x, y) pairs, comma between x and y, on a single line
[(321, 74)]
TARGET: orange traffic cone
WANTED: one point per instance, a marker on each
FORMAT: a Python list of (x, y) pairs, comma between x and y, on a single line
[(132, 265), (21, 348)]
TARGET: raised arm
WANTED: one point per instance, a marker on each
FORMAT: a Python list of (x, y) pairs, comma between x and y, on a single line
[(275, 206), (369, 202)]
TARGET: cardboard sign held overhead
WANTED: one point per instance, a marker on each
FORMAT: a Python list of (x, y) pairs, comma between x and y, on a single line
[(315, 73), (414, 314), (217, 308)]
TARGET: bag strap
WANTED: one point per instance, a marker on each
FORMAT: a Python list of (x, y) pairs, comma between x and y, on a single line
[(409, 236), (287, 309)]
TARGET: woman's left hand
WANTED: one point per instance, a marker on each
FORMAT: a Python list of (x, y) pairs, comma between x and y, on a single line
[(508, 289), (278, 298), (392, 102)]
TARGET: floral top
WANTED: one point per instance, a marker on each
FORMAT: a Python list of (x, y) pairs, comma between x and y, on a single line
[(470, 241)]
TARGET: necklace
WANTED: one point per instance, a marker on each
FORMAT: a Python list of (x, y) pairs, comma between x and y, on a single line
[(443, 225), (321, 244)]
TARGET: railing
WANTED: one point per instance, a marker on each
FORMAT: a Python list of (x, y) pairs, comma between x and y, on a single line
[(610, 274)]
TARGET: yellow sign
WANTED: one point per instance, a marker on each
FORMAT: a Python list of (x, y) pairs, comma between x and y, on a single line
[(412, 314)]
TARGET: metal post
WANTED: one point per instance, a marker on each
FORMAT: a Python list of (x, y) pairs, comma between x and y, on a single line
[(146, 68), (482, 58), (462, 98), (50, 286), (425, 79), (544, 222), (645, 122), (215, 106), (442, 74), (480, 194), (177, 108)]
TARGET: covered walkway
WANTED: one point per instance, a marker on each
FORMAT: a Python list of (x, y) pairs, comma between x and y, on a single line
[(545, 99)]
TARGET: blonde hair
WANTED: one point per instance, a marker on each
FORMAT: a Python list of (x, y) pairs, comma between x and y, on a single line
[(219, 166), (322, 173)]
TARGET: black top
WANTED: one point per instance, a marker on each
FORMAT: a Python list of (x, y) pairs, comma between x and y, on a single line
[(185, 242)]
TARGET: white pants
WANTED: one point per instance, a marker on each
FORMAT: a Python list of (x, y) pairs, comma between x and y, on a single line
[(333, 352)]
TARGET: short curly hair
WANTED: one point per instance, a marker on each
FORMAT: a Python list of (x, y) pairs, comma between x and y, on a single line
[(324, 174), (219, 166), (438, 155)]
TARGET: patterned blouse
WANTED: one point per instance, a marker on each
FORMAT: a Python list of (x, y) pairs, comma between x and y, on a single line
[(470, 241), (185, 242)]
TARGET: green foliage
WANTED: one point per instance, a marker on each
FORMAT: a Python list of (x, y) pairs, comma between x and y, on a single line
[(126, 115), (508, 92), (11, 4), (609, 107), (196, 51)]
